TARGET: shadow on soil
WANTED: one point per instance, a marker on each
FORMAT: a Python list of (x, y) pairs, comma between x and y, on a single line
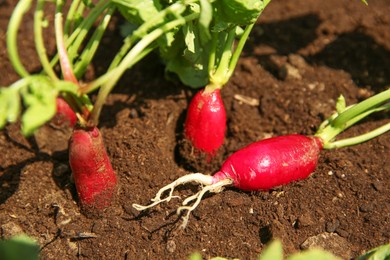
[(355, 52), (361, 56)]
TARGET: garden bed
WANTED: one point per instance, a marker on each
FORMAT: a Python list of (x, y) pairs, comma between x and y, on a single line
[(300, 57)]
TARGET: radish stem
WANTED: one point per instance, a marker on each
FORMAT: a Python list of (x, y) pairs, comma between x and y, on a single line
[(12, 36), (39, 44), (339, 122)]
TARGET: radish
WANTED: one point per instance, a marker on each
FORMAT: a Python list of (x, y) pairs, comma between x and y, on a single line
[(205, 123), (259, 166), (280, 160), (93, 174), (65, 114)]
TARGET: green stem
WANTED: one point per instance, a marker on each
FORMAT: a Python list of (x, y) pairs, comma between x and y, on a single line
[(70, 17), (93, 44), (12, 34), (213, 53), (358, 139), (142, 30), (228, 61), (66, 66), (361, 107), (350, 116), (129, 60), (39, 43), (74, 41), (238, 50), (83, 30), (220, 76)]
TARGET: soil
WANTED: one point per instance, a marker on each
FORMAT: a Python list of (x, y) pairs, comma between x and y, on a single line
[(300, 57)]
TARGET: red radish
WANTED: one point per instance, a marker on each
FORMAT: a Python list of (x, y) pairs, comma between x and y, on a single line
[(93, 174), (65, 114), (271, 162), (259, 166), (205, 123)]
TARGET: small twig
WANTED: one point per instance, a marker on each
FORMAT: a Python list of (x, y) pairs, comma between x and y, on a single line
[(247, 100)]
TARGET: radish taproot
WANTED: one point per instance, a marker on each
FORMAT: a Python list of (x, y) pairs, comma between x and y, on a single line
[(280, 160), (205, 123), (93, 174)]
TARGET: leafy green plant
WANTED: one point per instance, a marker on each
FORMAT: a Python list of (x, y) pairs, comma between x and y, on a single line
[(19, 247), (274, 251)]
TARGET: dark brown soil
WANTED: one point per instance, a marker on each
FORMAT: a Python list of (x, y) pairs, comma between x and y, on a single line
[(301, 56)]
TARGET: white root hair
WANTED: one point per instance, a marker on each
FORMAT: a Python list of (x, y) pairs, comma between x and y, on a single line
[(205, 180)]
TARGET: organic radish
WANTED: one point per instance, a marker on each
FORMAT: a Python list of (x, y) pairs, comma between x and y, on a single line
[(259, 166), (205, 123), (65, 114), (279, 160), (93, 174)]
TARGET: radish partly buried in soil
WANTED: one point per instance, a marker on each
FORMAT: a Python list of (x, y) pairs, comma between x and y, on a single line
[(277, 161), (92, 171), (205, 123)]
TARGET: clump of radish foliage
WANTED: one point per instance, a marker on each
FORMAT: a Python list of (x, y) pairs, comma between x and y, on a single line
[(59, 94)]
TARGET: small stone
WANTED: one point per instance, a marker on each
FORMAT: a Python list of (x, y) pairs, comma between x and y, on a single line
[(287, 71), (331, 226), (171, 246), (330, 242), (297, 61), (378, 186), (305, 220), (134, 113), (235, 202), (366, 207), (342, 232)]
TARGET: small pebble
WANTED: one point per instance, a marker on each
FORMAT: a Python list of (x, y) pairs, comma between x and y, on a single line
[(342, 232), (305, 220), (331, 226), (378, 186), (235, 202), (171, 246), (134, 113), (366, 207)]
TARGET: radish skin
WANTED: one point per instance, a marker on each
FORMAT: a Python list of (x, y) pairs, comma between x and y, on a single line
[(93, 174), (205, 123), (262, 165), (64, 114), (271, 162)]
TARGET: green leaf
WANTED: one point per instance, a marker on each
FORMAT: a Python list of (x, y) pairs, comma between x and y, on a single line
[(195, 256), (240, 12), (88, 3), (379, 253), (340, 104), (19, 247), (138, 11), (273, 251), (9, 105), (193, 75), (39, 99), (205, 18), (314, 253)]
